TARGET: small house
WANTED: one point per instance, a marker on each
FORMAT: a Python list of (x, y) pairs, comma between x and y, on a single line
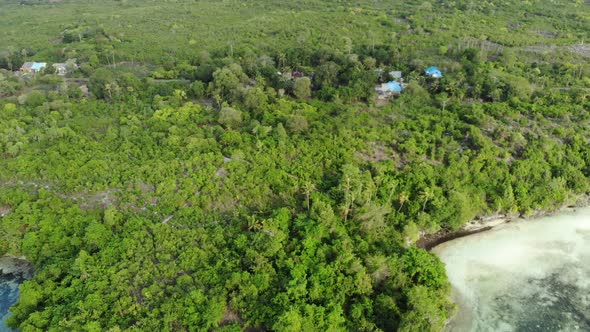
[(33, 67), (38, 66), (433, 72), (388, 89), (27, 67), (395, 74), (291, 76), (60, 69)]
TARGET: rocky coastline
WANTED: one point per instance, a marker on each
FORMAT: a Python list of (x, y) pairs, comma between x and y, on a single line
[(17, 267)]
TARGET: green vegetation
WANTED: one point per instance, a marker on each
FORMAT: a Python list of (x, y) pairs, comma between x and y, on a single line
[(229, 169)]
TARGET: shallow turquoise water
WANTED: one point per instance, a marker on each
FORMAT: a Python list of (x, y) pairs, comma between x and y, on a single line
[(8, 296), (523, 276)]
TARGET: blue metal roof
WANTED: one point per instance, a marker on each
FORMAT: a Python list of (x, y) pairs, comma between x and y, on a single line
[(394, 86), (38, 65), (433, 71)]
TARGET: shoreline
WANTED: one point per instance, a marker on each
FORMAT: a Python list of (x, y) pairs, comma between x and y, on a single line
[(17, 267), (487, 223), (483, 224)]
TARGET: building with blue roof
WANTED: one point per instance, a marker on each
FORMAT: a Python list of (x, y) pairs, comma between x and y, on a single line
[(33, 67), (433, 72), (37, 66), (394, 86), (388, 89)]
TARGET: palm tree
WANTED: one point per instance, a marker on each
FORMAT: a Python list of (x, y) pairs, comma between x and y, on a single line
[(308, 187), (443, 100), (373, 218), (425, 195), (9, 55), (282, 57), (379, 268), (349, 199), (403, 198), (253, 224), (393, 186), (108, 88)]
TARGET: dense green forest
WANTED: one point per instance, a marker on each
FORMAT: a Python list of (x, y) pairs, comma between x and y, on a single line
[(230, 168)]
